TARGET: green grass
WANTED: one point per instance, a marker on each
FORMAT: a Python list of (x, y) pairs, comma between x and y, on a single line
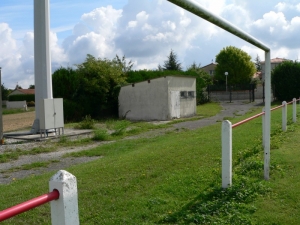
[(6, 111), (175, 179)]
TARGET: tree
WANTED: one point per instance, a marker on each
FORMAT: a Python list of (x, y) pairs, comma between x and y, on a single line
[(5, 92), (238, 65), (31, 86), (286, 81), (257, 64), (126, 67), (100, 83), (171, 63)]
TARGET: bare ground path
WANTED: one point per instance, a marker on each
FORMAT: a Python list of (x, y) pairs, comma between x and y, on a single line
[(13, 170)]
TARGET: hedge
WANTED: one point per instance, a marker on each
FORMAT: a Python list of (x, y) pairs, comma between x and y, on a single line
[(27, 98)]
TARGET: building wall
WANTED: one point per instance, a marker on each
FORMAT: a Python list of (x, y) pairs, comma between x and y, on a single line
[(151, 100), (210, 69), (144, 101), (187, 102)]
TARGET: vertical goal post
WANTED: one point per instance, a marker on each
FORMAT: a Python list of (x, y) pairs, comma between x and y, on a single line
[(195, 8)]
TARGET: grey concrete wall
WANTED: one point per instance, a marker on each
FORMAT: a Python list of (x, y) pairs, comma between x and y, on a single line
[(150, 100), (188, 104), (144, 101), (15, 104)]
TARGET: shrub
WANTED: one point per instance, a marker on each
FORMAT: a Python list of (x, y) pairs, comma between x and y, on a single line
[(100, 135), (31, 104), (286, 81), (86, 123), (27, 98)]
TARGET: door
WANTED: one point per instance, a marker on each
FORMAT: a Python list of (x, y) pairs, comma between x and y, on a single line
[(175, 104)]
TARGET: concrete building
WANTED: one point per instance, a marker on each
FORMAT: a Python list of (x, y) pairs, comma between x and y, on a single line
[(163, 98)]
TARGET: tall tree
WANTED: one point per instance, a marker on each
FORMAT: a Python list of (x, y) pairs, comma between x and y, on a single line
[(172, 62), (257, 64), (31, 86), (237, 63)]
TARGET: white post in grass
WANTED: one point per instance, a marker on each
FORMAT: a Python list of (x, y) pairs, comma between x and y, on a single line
[(64, 211), (294, 110), (284, 115), (226, 154), (263, 127)]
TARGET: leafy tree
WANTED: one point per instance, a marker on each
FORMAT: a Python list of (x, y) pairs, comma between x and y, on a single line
[(126, 67), (171, 63), (238, 65), (286, 81), (5, 92), (257, 64), (100, 83), (31, 86)]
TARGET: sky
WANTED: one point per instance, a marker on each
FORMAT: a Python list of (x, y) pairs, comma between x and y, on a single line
[(145, 31)]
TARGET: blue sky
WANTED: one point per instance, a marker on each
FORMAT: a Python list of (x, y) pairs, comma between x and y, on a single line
[(143, 30)]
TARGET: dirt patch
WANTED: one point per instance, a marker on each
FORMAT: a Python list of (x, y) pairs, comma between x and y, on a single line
[(19, 121)]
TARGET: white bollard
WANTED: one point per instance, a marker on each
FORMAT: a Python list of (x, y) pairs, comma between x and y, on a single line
[(64, 211), (226, 154), (284, 116), (294, 110)]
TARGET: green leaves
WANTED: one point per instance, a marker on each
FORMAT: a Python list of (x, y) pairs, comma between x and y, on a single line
[(238, 65)]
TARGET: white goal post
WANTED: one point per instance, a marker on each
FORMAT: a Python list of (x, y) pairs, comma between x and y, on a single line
[(195, 8)]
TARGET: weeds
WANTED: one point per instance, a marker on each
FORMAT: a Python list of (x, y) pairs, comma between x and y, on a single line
[(86, 123), (100, 135)]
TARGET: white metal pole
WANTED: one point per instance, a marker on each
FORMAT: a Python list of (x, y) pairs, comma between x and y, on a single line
[(267, 115), (42, 57), (195, 8), (64, 211), (284, 116), (263, 127), (226, 154), (294, 110)]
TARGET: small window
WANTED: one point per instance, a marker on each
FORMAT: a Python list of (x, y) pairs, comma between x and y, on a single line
[(191, 94), (183, 94)]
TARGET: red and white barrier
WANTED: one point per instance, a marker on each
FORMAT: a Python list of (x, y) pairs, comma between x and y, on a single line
[(62, 197)]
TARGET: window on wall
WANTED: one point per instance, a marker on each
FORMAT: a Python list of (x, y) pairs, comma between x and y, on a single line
[(191, 94), (183, 94)]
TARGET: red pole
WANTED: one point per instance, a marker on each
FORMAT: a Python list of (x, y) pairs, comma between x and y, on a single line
[(25, 206)]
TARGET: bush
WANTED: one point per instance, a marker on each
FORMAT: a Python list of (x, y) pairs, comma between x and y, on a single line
[(31, 104), (86, 123), (27, 98), (286, 81)]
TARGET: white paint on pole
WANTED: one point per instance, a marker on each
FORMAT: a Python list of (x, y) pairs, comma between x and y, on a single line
[(64, 211), (284, 116), (267, 115), (42, 57), (226, 154), (263, 127), (294, 110), (195, 8)]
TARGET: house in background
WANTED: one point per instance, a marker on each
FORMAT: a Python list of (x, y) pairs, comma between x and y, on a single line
[(22, 92), (210, 68), (274, 62), (163, 98)]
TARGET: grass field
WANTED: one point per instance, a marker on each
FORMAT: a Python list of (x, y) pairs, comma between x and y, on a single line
[(176, 179)]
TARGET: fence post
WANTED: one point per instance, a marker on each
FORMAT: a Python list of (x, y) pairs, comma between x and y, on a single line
[(64, 211), (284, 116), (226, 154), (294, 110), (263, 127)]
